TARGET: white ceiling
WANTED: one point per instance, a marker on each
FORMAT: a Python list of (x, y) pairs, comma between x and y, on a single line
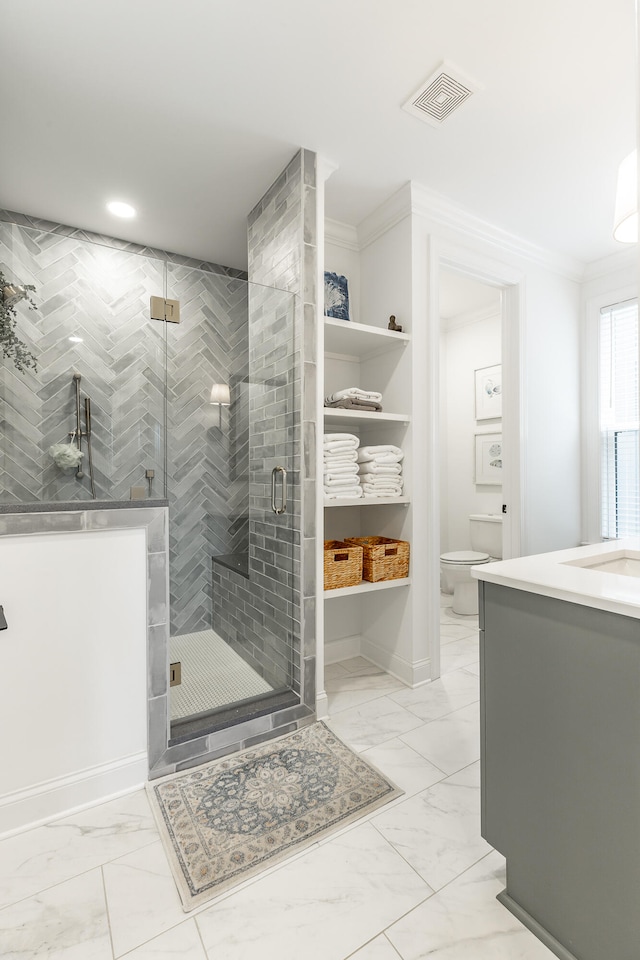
[(189, 109)]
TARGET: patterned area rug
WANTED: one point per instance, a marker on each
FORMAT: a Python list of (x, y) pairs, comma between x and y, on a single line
[(229, 819)]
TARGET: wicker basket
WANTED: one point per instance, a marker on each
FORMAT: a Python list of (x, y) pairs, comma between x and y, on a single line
[(342, 564), (383, 559)]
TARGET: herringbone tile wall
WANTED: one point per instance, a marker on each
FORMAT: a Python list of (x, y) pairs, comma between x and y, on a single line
[(100, 295), (207, 465)]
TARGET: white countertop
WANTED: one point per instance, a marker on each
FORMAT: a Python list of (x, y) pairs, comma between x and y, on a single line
[(552, 575)]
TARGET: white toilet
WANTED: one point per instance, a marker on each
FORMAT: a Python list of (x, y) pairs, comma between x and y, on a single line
[(455, 568)]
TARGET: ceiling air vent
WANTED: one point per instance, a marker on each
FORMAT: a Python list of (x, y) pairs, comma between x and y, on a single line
[(445, 91)]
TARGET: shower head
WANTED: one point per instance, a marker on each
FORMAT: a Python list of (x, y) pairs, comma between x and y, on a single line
[(12, 293)]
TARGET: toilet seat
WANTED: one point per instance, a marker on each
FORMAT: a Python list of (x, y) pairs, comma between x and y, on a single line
[(464, 558)]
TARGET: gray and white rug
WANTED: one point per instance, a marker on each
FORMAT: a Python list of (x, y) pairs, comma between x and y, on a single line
[(229, 819)]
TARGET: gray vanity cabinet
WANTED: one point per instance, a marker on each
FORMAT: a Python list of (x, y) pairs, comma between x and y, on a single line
[(560, 758)]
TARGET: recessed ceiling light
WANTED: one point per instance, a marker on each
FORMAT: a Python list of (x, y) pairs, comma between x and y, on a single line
[(120, 209)]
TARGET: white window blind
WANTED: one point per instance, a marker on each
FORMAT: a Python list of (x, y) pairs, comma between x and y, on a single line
[(619, 452)]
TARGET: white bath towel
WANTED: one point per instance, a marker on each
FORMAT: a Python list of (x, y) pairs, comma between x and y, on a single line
[(340, 456), (377, 481), (373, 468), (339, 446), (335, 437), (380, 485), (343, 494), (356, 393), (383, 453), (349, 470), (381, 491), (342, 481)]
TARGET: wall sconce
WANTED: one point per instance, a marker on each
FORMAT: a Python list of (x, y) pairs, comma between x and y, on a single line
[(626, 216), (221, 397)]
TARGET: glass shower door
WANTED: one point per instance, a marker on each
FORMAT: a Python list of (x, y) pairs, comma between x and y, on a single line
[(233, 500)]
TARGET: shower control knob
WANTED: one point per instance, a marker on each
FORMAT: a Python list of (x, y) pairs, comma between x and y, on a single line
[(3, 622)]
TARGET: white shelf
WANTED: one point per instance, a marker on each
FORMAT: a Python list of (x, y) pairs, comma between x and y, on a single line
[(334, 415), (365, 501), (359, 340), (366, 587)]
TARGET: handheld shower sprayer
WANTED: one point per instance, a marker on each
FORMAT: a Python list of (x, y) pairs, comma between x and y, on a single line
[(79, 433)]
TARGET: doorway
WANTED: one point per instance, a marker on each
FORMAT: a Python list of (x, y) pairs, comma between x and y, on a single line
[(451, 265)]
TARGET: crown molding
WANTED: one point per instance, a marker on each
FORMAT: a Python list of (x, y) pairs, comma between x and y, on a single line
[(341, 234), (622, 261), (386, 216), (324, 168), (415, 198), (434, 206)]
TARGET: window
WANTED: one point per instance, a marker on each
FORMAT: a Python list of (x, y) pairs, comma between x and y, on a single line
[(619, 449)]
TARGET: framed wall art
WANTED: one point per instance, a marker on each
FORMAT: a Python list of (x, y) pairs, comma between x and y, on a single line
[(489, 392), (489, 458)]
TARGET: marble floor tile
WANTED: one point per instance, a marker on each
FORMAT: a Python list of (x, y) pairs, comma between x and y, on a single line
[(65, 922), (142, 898), (324, 906), (450, 692), (456, 631), (410, 771), (451, 742), (459, 653), (180, 943), (379, 681), (57, 851), (378, 949), (334, 670), (372, 723), (346, 699), (473, 668), (438, 830), (464, 921), (360, 666)]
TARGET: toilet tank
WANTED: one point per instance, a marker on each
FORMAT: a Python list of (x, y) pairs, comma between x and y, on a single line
[(486, 533)]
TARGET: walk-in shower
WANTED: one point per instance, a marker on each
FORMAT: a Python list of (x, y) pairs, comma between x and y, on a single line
[(229, 470)]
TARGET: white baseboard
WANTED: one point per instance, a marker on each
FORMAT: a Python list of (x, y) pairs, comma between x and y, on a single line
[(342, 649), (413, 674), (52, 799), (322, 706)]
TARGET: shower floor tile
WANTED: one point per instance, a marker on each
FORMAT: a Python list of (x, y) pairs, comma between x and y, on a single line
[(213, 675)]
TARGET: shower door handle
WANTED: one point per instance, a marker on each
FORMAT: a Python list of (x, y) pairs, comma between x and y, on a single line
[(283, 490)]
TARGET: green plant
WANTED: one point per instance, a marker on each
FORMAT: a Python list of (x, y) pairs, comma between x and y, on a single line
[(12, 347)]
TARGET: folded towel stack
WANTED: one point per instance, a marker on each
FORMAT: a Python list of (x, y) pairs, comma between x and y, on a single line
[(340, 466), (353, 398), (380, 470)]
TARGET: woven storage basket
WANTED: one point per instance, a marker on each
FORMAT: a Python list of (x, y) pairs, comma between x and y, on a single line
[(342, 564), (383, 559)]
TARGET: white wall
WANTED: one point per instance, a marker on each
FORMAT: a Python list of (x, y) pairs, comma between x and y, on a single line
[(551, 383), (74, 679), (465, 348)]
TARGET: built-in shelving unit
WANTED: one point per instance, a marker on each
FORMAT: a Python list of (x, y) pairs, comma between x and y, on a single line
[(334, 417), (359, 340), (366, 587), (364, 501), (369, 618)]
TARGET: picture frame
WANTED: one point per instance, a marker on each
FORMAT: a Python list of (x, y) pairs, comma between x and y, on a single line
[(488, 383), (336, 296), (489, 458)]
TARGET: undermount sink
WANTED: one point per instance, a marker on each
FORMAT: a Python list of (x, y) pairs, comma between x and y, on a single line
[(624, 563)]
